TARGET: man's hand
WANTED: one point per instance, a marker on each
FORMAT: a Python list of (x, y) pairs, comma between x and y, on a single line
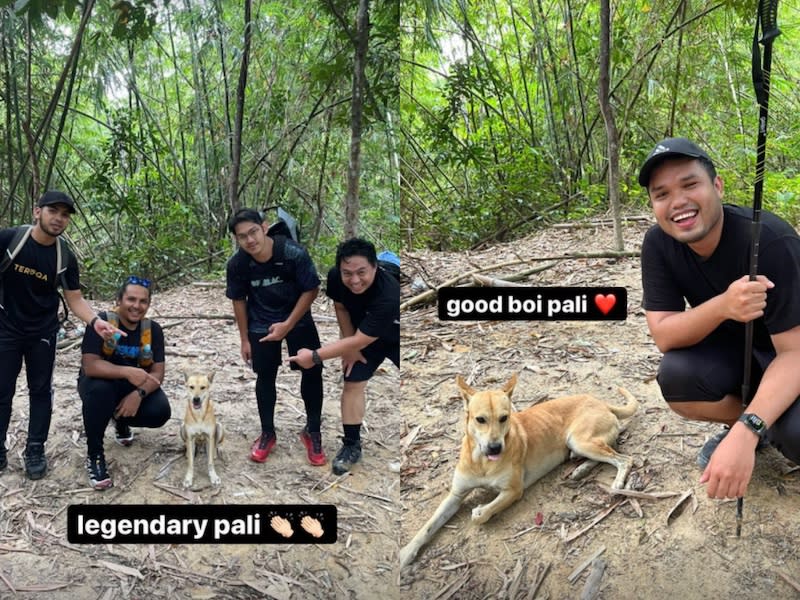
[(139, 377), (106, 330), (247, 352), (303, 358), (731, 466), (129, 405), (276, 332), (745, 300), (350, 359)]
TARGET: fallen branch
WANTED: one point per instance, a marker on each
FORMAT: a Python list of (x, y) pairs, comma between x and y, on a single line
[(640, 495), (596, 520), (572, 577), (540, 575), (676, 510), (592, 586), (790, 581)]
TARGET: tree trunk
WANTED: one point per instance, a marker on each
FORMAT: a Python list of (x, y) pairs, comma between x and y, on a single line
[(612, 136), (236, 144), (356, 113)]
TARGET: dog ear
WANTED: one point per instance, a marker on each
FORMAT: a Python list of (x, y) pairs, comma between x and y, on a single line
[(210, 376), (466, 391), (509, 387)]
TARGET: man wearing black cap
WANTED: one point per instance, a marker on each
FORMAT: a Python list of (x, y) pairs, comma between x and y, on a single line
[(29, 320), (699, 254)]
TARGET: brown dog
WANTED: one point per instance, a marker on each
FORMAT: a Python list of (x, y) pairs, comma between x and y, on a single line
[(200, 424), (508, 451)]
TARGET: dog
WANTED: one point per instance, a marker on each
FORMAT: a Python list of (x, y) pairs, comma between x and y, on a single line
[(200, 423), (508, 451)]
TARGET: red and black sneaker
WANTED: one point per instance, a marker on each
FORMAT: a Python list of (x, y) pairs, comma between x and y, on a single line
[(262, 447), (313, 443)]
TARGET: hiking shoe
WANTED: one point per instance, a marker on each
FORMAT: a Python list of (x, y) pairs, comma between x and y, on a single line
[(124, 435), (313, 443), (35, 461), (704, 456), (349, 455), (98, 475), (262, 447)]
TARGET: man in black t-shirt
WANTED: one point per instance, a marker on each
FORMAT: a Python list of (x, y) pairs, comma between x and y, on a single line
[(699, 253), (121, 379), (272, 283), (29, 321), (367, 303)]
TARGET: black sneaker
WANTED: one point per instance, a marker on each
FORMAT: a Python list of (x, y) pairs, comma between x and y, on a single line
[(704, 456), (96, 469), (124, 435), (35, 461), (349, 455)]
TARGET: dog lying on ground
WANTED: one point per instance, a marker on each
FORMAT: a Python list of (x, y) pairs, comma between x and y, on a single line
[(508, 451), (200, 423)]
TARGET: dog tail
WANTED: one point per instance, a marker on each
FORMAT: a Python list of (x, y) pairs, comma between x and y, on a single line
[(626, 411)]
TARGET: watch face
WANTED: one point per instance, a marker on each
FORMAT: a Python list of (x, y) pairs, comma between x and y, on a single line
[(756, 422), (142, 393)]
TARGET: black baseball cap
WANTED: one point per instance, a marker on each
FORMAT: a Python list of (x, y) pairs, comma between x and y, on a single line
[(667, 148), (54, 197)]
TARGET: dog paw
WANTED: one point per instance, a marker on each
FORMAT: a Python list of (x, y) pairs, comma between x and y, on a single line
[(187, 482), (406, 556), (479, 515), (215, 480)]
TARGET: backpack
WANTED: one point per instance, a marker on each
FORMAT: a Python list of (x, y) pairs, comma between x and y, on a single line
[(390, 262), (21, 235), (285, 226), (145, 340)]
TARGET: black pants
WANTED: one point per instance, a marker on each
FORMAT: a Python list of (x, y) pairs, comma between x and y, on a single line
[(39, 353), (710, 371), (100, 399), (374, 354), (267, 359)]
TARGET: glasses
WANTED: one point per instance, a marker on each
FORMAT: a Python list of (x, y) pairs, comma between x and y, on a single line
[(134, 280), (251, 233)]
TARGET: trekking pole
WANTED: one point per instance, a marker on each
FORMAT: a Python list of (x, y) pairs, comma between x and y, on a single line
[(767, 19)]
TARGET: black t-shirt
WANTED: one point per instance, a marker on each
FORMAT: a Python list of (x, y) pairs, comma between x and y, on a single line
[(672, 274), (376, 311), (272, 288), (127, 351), (30, 298)]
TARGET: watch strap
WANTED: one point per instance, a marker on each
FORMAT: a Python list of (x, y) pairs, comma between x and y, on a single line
[(754, 423)]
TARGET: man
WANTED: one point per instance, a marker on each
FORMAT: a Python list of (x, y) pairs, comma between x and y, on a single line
[(272, 283), (29, 322), (367, 304), (122, 378), (700, 253)]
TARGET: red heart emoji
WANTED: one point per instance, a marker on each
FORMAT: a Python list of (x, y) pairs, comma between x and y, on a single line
[(605, 303)]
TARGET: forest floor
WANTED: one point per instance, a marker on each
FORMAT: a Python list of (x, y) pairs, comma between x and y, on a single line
[(37, 561), (679, 546)]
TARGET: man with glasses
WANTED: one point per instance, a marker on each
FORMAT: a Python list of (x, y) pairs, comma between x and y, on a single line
[(120, 379), (272, 283), (367, 303), (29, 320)]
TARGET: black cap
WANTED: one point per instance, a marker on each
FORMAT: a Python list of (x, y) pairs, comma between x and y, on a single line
[(54, 197), (668, 148)]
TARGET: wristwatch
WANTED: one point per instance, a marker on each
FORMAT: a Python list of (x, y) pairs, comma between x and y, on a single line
[(142, 392), (754, 423), (315, 358)]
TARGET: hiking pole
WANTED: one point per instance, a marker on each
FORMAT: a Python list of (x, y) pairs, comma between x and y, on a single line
[(767, 20)]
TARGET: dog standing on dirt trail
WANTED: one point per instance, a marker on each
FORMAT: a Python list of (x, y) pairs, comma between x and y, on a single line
[(200, 424), (508, 451)]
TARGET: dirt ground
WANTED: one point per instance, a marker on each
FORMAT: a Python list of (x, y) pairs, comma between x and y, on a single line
[(36, 560), (680, 546)]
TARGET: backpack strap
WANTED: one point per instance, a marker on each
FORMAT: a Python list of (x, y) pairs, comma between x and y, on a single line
[(21, 235), (145, 358), (279, 257)]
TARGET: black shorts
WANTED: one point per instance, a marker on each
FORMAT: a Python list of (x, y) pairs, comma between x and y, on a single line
[(713, 369), (709, 371), (268, 354), (375, 354)]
